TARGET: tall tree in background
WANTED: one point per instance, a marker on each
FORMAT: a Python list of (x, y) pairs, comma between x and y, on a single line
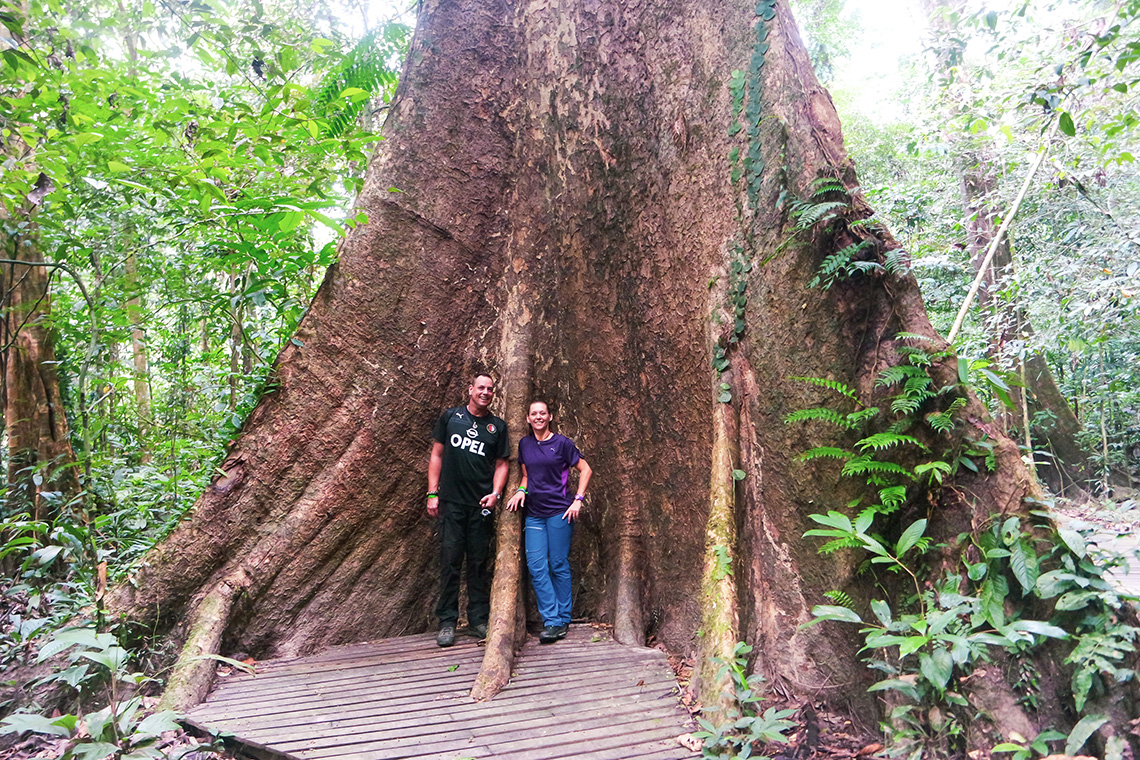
[(599, 200), (1067, 471), (41, 464)]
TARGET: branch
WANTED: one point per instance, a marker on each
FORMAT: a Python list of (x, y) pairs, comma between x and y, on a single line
[(985, 265)]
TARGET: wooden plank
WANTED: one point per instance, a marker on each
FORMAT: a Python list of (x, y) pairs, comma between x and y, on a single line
[(438, 683), (457, 710), (595, 744), (544, 746), (262, 675), (393, 673), (488, 722), (303, 714), (585, 697)]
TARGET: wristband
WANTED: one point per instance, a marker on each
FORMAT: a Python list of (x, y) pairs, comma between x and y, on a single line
[(521, 490), (433, 494), (579, 497)]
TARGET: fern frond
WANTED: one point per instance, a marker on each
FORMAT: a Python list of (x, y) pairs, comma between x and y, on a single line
[(834, 385), (837, 266), (913, 336), (809, 215), (916, 356), (369, 70), (919, 387), (825, 185), (840, 598), (901, 425), (865, 267), (892, 496), (898, 373), (840, 543), (824, 452), (906, 405), (884, 441), (897, 262), (854, 419), (820, 414), (941, 422), (865, 465)]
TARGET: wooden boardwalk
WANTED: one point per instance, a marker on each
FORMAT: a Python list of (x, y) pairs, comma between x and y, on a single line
[(584, 697)]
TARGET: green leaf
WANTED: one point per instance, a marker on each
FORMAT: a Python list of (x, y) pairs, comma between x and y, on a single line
[(910, 537), (739, 474), (290, 219), (1067, 127), (899, 685), (1074, 541), (20, 722), (882, 611), (1020, 565), (117, 166), (912, 644), (1040, 628), (1082, 731), (831, 612), (963, 370), (86, 138), (156, 724), (936, 667), (1075, 600), (94, 750)]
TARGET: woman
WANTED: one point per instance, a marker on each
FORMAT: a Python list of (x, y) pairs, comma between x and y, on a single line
[(546, 458)]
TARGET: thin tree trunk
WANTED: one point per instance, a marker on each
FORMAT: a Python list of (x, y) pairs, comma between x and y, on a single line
[(236, 336), (140, 367)]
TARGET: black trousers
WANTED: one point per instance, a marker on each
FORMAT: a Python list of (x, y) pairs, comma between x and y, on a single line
[(465, 532)]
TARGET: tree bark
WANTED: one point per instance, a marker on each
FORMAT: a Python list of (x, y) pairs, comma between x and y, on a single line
[(41, 463), (556, 198)]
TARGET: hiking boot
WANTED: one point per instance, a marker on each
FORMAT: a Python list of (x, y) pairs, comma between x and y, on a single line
[(550, 634), (446, 635), (478, 631), (561, 631)]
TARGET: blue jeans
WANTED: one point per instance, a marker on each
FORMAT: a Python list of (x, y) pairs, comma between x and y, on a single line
[(548, 558)]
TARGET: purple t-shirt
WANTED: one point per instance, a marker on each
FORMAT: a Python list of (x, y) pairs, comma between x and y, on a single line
[(548, 466)]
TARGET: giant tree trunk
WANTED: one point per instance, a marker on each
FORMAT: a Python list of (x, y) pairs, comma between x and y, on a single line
[(556, 199), (41, 463)]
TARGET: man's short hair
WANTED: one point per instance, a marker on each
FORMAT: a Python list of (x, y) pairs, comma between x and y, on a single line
[(480, 374)]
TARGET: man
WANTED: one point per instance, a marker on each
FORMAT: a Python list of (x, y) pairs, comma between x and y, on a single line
[(466, 476)]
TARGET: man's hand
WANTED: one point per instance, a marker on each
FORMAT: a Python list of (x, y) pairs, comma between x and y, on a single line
[(433, 506), (489, 501)]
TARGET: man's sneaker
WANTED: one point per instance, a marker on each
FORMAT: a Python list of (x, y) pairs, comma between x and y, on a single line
[(446, 635), (550, 634), (478, 631), (562, 630)]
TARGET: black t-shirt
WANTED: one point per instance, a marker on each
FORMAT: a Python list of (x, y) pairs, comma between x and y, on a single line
[(471, 446)]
